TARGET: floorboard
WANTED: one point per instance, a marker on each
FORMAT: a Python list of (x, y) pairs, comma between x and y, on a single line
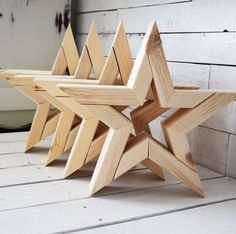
[(38, 200)]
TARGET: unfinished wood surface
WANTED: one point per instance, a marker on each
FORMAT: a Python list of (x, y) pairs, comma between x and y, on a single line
[(70, 51), (51, 124), (109, 158), (61, 136), (95, 52), (183, 121), (38, 124), (82, 144), (139, 88)]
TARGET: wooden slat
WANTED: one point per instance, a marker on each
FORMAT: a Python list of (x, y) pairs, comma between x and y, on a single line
[(97, 209), (220, 220), (61, 136), (172, 17), (185, 47), (97, 5), (38, 124), (109, 158), (81, 144), (54, 190)]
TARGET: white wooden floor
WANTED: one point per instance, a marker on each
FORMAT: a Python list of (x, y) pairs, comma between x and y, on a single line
[(35, 199)]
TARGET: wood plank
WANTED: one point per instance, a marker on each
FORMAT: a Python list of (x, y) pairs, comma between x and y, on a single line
[(101, 5), (77, 188), (220, 219), (203, 17), (105, 22), (97, 211), (38, 124), (61, 136), (170, 17), (186, 47), (81, 146), (109, 158)]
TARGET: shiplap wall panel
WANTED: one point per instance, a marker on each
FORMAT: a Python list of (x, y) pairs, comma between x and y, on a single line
[(211, 48), (105, 22), (179, 17), (101, 5), (194, 16)]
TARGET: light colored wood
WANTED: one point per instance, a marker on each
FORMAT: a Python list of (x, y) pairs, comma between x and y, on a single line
[(136, 85), (60, 63), (109, 116), (60, 137), (51, 124), (38, 124), (167, 95), (84, 65), (52, 100), (110, 70), (96, 146), (122, 53), (95, 52), (109, 158), (70, 51), (136, 152), (82, 144), (183, 121), (159, 154), (72, 136), (106, 95)]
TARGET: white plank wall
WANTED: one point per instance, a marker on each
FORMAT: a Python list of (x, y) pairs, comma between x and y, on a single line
[(199, 39)]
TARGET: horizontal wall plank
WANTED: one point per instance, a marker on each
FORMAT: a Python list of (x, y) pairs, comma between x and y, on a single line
[(209, 148), (220, 219), (105, 22), (87, 213), (98, 5), (209, 48), (231, 162), (170, 17), (15, 100), (194, 16)]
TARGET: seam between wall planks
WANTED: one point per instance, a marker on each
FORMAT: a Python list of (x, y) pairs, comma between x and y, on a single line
[(133, 7), (146, 216)]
